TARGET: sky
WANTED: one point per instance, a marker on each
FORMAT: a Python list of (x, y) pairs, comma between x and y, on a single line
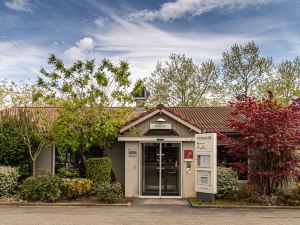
[(142, 32)]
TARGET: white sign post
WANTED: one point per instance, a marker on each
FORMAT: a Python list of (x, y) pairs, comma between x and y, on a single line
[(206, 166)]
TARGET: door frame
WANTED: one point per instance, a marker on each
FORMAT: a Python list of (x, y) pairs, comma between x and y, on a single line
[(140, 168)]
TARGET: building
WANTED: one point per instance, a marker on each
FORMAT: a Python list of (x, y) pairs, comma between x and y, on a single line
[(148, 156)]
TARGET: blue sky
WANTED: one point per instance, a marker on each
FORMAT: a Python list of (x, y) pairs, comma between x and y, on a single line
[(140, 31)]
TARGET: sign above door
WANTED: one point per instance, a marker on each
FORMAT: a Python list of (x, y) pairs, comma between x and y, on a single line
[(160, 126)]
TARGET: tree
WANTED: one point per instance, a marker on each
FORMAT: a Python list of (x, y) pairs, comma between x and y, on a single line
[(33, 128), (13, 151), (23, 122), (244, 70), (83, 94), (286, 83), (269, 139), (179, 82)]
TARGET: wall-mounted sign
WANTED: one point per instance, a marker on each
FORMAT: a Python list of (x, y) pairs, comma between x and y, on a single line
[(160, 126), (188, 155), (206, 163), (132, 153)]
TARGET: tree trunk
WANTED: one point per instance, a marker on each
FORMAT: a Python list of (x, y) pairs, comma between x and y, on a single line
[(34, 168)]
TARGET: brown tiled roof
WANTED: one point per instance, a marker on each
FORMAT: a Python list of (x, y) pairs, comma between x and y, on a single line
[(211, 118), (204, 118)]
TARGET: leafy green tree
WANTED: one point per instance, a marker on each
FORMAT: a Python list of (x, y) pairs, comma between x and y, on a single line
[(285, 85), (244, 70), (180, 82), (84, 93), (13, 151)]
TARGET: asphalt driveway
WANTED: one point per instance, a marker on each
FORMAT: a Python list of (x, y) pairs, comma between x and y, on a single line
[(145, 214)]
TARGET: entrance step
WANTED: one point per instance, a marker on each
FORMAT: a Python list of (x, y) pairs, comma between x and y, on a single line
[(161, 201)]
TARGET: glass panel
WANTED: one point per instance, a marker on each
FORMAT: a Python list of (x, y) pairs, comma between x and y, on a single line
[(170, 169), (150, 169)]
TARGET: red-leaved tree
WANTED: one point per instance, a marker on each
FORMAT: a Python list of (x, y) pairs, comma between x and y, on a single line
[(269, 140)]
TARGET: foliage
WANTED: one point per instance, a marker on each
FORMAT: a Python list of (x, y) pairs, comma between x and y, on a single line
[(47, 187), (33, 129), (269, 139), (13, 151), (179, 82), (99, 169), (285, 83), (226, 182), (108, 192), (83, 93), (78, 188), (8, 180), (295, 191), (68, 173), (244, 69)]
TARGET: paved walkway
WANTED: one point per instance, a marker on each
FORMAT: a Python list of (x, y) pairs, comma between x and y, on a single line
[(145, 214)]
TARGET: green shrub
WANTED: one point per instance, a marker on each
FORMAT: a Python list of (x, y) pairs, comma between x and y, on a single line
[(68, 173), (47, 187), (295, 191), (226, 182), (8, 180), (98, 169), (108, 192), (78, 188)]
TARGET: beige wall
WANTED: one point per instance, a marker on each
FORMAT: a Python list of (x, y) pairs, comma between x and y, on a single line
[(188, 180), (131, 170), (45, 159)]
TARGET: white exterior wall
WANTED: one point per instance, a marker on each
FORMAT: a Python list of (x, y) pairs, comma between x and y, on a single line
[(131, 170)]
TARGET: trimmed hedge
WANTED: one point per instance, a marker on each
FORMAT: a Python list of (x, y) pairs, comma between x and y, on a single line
[(8, 180), (98, 169), (226, 182)]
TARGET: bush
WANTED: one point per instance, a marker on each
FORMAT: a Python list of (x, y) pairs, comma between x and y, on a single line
[(108, 192), (47, 187), (68, 173), (98, 169), (295, 191), (226, 182), (78, 188), (8, 180)]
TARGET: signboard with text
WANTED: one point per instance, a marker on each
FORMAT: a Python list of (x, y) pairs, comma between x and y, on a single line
[(160, 126), (206, 163)]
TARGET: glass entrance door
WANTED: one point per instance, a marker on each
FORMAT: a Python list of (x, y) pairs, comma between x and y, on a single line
[(170, 169), (160, 169)]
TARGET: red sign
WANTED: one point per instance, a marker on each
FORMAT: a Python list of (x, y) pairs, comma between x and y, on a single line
[(188, 155)]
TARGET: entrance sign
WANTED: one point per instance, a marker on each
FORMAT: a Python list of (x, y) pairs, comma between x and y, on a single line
[(160, 126), (188, 155), (206, 163)]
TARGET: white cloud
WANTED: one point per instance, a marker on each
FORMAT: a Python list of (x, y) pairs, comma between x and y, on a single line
[(80, 50), (143, 44), (100, 22), (180, 8), (19, 5), (20, 60)]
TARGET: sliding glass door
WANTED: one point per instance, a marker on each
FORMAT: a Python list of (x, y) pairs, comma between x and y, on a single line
[(160, 169)]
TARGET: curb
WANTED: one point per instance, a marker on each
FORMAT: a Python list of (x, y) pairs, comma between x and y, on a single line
[(241, 206), (37, 204)]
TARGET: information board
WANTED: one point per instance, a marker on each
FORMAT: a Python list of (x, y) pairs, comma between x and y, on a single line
[(206, 163)]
